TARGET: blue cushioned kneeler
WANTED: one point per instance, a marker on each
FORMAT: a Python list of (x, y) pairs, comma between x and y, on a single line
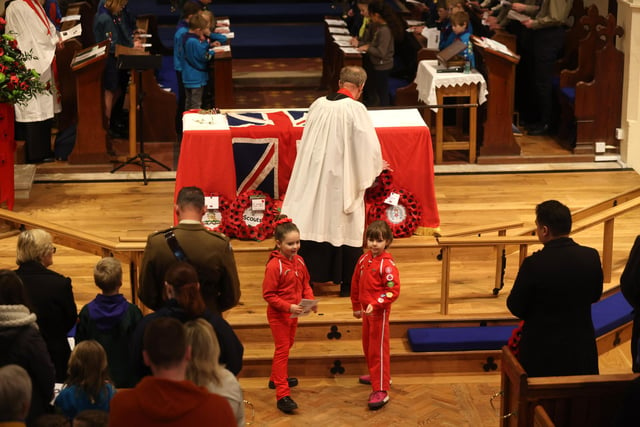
[(607, 314), (459, 338), (610, 313)]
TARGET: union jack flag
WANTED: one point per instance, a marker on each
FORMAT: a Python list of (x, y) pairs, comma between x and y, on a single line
[(257, 153), (256, 164)]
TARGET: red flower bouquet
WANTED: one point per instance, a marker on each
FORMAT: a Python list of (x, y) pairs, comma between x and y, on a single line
[(18, 84)]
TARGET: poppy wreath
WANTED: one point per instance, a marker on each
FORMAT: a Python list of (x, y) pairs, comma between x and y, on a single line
[(403, 218), (242, 217), (380, 188), (218, 219)]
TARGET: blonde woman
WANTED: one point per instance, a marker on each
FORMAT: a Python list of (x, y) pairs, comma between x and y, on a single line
[(50, 294), (205, 370)]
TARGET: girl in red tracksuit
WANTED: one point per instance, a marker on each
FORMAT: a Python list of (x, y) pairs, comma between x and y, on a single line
[(375, 285), (286, 283)]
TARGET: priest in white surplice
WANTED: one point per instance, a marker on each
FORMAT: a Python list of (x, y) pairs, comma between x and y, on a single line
[(35, 32), (338, 158)]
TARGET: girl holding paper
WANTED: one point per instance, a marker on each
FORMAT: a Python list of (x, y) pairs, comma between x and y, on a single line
[(285, 285)]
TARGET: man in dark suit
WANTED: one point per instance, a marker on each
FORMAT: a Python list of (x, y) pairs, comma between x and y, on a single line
[(553, 293), (208, 251)]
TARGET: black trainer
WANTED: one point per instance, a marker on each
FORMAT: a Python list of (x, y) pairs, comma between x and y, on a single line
[(286, 404), (292, 383)]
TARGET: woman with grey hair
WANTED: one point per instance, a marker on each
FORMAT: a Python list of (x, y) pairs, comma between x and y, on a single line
[(15, 394), (50, 294)]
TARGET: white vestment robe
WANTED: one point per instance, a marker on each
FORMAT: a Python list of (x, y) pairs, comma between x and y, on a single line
[(338, 158), (40, 37)]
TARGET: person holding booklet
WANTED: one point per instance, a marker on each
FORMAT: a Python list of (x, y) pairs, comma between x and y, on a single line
[(285, 285)]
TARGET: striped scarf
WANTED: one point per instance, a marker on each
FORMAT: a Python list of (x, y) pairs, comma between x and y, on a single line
[(16, 315)]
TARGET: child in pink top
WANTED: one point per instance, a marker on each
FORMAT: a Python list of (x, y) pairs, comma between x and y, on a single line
[(286, 283), (375, 285)]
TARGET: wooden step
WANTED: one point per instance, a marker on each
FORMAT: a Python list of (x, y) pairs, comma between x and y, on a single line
[(345, 357)]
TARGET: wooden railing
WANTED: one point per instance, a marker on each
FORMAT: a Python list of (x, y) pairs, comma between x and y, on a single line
[(130, 249), (129, 252), (595, 217)]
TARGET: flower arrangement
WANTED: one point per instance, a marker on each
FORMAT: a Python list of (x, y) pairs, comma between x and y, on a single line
[(18, 84)]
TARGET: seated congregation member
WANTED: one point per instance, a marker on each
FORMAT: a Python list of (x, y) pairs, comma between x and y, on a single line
[(22, 344), (91, 418), (15, 396), (553, 293), (52, 420), (167, 398), (112, 23), (50, 293), (185, 303), (87, 386), (111, 320), (460, 27), (209, 251), (35, 33), (205, 370)]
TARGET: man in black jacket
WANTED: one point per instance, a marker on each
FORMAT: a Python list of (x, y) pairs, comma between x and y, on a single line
[(553, 293)]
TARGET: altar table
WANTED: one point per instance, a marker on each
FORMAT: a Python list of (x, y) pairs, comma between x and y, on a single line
[(237, 151), (433, 87)]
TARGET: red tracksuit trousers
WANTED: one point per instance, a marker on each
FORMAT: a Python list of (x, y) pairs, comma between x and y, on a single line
[(375, 343), (283, 329)]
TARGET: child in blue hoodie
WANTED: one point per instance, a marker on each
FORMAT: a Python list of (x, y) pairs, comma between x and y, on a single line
[(111, 320), (195, 61)]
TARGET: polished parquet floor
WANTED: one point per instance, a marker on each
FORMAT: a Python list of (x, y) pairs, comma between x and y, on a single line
[(114, 209)]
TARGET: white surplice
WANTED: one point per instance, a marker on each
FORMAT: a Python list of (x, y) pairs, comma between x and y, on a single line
[(338, 158), (38, 36)]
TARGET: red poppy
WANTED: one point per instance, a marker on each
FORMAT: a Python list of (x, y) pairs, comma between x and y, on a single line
[(14, 79), (24, 86), (13, 43)]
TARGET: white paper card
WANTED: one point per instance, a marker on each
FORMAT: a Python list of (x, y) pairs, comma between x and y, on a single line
[(338, 30), (307, 306), (72, 32), (258, 204), (70, 18), (212, 202), (392, 199)]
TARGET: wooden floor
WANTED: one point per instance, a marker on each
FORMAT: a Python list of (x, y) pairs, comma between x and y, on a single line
[(114, 209)]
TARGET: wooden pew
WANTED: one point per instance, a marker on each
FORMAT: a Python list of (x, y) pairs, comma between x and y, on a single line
[(590, 96), (571, 401), (598, 103), (582, 72), (87, 13), (149, 23)]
